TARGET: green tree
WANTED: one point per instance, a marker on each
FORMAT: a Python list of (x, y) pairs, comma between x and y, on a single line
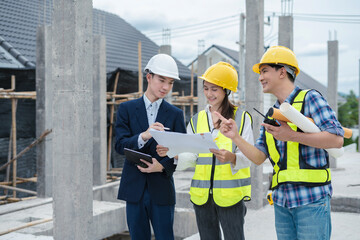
[(348, 113)]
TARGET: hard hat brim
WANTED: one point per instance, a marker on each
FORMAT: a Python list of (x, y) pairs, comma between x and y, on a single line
[(256, 68), (232, 89)]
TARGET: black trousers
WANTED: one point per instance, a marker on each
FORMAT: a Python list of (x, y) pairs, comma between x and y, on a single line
[(209, 217)]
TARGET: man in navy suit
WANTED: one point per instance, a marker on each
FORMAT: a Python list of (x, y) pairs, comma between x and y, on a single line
[(149, 192)]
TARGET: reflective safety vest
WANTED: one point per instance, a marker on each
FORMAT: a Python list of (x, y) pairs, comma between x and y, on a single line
[(291, 168), (212, 176)]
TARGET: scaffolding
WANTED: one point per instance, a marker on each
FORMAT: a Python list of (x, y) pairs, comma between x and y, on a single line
[(112, 99)]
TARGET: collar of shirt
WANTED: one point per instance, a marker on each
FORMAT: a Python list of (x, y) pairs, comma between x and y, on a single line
[(289, 98), (152, 109), (149, 104), (214, 131)]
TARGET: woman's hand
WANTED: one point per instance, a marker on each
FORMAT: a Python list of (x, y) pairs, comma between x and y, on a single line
[(161, 150), (224, 155)]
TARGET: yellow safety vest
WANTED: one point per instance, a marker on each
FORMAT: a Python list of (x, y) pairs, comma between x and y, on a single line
[(292, 169), (212, 175)]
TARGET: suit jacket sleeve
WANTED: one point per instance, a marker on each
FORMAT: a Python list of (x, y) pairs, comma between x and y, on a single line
[(123, 132)]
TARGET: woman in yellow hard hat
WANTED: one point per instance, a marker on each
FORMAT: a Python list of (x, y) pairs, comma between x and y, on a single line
[(221, 182)]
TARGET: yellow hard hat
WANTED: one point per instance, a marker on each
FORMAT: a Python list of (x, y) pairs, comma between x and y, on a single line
[(222, 74), (278, 55)]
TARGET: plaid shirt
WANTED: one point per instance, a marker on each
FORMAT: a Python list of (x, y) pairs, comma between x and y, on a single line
[(294, 195)]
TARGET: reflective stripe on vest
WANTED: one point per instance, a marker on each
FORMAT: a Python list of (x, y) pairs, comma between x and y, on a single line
[(227, 189), (288, 170)]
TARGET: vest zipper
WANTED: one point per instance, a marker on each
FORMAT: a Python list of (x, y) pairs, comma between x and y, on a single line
[(212, 174)]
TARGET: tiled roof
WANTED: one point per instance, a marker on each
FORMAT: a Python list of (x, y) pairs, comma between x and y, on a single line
[(19, 20)]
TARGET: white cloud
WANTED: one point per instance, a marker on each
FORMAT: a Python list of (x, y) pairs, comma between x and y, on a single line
[(310, 37)]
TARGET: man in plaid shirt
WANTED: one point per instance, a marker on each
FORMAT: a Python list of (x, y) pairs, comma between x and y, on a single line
[(301, 194)]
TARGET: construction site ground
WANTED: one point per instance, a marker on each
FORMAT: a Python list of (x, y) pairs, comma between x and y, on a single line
[(109, 214)]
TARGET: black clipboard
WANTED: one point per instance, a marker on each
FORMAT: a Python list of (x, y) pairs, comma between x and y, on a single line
[(135, 156)]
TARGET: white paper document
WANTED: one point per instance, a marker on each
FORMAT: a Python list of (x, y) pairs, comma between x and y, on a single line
[(182, 142)]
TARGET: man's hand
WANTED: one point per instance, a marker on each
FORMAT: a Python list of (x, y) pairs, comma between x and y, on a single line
[(147, 135), (282, 133), (224, 155), (152, 167)]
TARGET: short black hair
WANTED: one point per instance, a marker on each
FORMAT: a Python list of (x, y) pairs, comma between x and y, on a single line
[(277, 67)]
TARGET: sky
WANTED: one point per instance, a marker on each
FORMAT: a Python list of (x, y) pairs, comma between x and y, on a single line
[(315, 22)]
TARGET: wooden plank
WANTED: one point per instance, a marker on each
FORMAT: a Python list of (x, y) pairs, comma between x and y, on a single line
[(140, 79), (30, 224), (13, 127), (33, 179), (38, 140), (18, 189), (112, 109)]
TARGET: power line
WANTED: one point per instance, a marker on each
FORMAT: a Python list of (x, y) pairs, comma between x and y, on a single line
[(232, 20), (194, 32), (195, 27), (196, 24)]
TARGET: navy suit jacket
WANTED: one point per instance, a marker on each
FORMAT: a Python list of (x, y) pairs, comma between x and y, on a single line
[(130, 122)]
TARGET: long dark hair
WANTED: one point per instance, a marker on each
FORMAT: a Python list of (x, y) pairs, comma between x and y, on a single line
[(227, 109)]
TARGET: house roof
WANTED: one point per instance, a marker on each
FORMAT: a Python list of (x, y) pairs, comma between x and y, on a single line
[(19, 21), (234, 55)]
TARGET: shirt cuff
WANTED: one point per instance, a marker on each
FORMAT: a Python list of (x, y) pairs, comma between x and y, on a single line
[(141, 142)]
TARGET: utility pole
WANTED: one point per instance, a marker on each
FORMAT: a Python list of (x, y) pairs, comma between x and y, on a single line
[(331, 92), (166, 49), (241, 83)]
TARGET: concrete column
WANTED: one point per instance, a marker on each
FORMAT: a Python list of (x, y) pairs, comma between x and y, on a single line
[(166, 49), (72, 119), (286, 31), (241, 83), (333, 66), (253, 90), (44, 93), (331, 93), (201, 68), (99, 110)]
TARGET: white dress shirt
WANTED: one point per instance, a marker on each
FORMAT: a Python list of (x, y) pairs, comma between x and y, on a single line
[(152, 109)]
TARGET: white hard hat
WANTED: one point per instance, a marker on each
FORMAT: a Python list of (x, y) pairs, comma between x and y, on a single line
[(164, 65)]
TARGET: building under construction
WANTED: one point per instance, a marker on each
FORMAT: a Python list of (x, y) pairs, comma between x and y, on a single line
[(64, 69)]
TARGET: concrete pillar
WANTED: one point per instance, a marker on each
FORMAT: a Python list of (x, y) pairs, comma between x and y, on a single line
[(286, 32), (253, 91), (72, 76), (241, 83), (99, 110), (201, 68), (166, 49), (44, 93), (333, 64)]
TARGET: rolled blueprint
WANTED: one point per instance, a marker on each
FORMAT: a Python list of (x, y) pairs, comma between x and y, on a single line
[(275, 113), (306, 125)]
